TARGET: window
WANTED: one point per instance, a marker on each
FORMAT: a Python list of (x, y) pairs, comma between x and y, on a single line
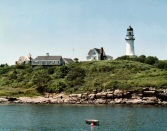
[(94, 58), (43, 62), (94, 53), (130, 33)]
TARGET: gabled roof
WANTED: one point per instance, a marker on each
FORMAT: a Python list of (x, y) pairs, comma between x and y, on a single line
[(48, 58), (68, 60), (97, 50)]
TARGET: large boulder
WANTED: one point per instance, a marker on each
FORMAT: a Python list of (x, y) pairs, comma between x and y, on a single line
[(118, 94), (73, 95), (118, 100), (162, 102), (150, 93), (150, 100), (2, 100), (134, 101), (84, 96), (92, 96), (110, 96), (100, 101), (136, 94), (98, 95), (104, 95)]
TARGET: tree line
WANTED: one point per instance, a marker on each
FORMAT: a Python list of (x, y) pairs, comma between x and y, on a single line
[(151, 60)]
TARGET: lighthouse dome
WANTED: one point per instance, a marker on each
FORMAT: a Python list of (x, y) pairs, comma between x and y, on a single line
[(130, 28)]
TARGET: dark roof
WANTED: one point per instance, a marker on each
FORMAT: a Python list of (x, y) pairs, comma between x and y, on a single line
[(68, 60), (130, 28), (48, 58), (90, 51), (98, 50)]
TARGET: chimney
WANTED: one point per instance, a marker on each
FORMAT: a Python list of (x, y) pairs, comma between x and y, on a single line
[(47, 54), (102, 53)]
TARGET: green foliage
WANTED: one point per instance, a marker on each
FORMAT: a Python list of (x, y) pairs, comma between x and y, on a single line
[(5, 69), (20, 66), (125, 57), (56, 86), (161, 65), (141, 58), (61, 72), (151, 60), (130, 73), (75, 76), (38, 68), (40, 79), (3, 65), (51, 70)]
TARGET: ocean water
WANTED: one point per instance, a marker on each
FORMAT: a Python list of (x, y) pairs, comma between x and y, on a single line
[(72, 118)]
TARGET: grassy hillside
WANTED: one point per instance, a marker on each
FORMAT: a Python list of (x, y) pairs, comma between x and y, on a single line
[(24, 80)]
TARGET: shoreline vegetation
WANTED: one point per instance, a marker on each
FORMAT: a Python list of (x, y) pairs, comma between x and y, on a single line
[(132, 77)]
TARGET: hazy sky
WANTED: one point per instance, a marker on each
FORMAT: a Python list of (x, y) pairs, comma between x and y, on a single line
[(59, 26)]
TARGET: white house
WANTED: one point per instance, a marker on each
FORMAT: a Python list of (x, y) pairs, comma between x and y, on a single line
[(98, 54), (22, 60)]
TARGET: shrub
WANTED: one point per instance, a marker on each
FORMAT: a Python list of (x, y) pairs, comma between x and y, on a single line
[(75, 76), (104, 68), (151, 60), (39, 67), (51, 70), (56, 86), (112, 85), (12, 75), (141, 58), (41, 79), (161, 64), (5, 69), (61, 71)]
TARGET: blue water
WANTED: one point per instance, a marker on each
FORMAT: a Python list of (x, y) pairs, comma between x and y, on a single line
[(72, 118)]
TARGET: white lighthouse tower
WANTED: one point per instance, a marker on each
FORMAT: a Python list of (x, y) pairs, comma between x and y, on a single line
[(130, 42)]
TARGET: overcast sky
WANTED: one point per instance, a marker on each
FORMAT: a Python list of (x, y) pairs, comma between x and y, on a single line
[(58, 27)]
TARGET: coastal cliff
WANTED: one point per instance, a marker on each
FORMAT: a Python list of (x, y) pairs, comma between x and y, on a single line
[(147, 96)]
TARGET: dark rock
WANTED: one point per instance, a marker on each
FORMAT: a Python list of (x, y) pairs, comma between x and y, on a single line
[(149, 93), (162, 96), (11, 99), (126, 94), (146, 89)]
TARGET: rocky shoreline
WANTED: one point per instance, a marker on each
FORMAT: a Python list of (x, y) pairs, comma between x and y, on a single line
[(147, 96)]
